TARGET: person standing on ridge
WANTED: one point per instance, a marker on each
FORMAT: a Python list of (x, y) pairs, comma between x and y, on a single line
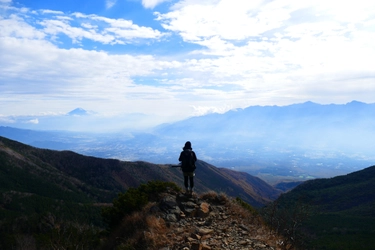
[(188, 159)]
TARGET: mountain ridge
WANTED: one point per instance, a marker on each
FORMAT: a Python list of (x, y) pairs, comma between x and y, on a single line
[(330, 213), (116, 175), (298, 141), (51, 193)]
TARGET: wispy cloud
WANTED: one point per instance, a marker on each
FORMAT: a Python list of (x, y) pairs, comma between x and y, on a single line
[(96, 28), (5, 1), (271, 43), (33, 121), (150, 4), (110, 3), (203, 56)]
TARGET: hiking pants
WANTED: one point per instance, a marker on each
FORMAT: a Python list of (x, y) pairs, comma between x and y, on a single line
[(189, 177)]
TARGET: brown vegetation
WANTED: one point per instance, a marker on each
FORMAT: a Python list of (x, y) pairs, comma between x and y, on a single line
[(226, 225)]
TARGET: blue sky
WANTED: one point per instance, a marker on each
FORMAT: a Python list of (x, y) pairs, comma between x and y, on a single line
[(174, 59)]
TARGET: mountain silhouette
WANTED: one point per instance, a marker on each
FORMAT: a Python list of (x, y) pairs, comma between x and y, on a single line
[(276, 143), (78, 111)]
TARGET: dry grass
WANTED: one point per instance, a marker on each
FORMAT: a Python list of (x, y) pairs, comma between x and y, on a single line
[(211, 195), (244, 214), (257, 225), (139, 230), (156, 235), (215, 198)]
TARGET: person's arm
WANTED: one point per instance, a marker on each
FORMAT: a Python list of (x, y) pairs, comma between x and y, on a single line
[(195, 157), (180, 158)]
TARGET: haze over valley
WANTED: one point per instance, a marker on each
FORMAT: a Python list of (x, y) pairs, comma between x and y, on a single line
[(276, 143)]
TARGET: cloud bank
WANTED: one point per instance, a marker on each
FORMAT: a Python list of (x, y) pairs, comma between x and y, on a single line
[(195, 56)]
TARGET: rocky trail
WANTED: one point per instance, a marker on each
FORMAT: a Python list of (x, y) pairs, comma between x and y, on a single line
[(210, 221)]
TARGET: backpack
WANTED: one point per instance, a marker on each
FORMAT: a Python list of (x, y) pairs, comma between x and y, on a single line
[(188, 161)]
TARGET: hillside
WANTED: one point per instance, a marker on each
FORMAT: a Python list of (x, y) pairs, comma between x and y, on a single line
[(102, 179), (334, 213), (39, 185)]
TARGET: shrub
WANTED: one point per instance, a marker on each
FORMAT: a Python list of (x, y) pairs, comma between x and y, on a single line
[(287, 218), (153, 188), (134, 199), (69, 235), (246, 206)]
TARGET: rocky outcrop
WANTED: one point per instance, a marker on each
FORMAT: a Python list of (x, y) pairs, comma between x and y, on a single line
[(211, 221)]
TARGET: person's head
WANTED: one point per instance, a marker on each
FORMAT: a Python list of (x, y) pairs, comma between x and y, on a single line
[(187, 145)]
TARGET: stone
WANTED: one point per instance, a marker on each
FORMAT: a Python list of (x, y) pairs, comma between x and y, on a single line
[(171, 218), (206, 247), (203, 210), (195, 236), (242, 226), (243, 242), (167, 203), (196, 246), (204, 231)]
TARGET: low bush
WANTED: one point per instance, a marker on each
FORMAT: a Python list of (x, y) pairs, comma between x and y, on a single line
[(134, 199)]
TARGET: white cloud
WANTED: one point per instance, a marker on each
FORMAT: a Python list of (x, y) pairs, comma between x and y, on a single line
[(33, 121), (347, 11), (77, 26), (150, 4), (204, 110), (276, 40), (6, 119), (39, 72), (231, 20), (15, 26), (98, 29), (54, 12), (245, 53), (110, 3)]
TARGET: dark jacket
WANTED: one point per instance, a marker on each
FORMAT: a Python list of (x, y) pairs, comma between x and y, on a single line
[(185, 166)]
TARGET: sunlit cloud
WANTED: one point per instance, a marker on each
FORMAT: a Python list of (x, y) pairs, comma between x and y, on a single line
[(33, 121), (217, 54), (150, 4)]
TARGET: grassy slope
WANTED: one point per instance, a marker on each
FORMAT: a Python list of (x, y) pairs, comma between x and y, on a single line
[(344, 210)]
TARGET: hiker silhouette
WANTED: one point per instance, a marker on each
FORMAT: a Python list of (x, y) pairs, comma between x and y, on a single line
[(188, 159)]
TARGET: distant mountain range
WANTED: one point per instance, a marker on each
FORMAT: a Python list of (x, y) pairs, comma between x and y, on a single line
[(345, 128), (276, 143)]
